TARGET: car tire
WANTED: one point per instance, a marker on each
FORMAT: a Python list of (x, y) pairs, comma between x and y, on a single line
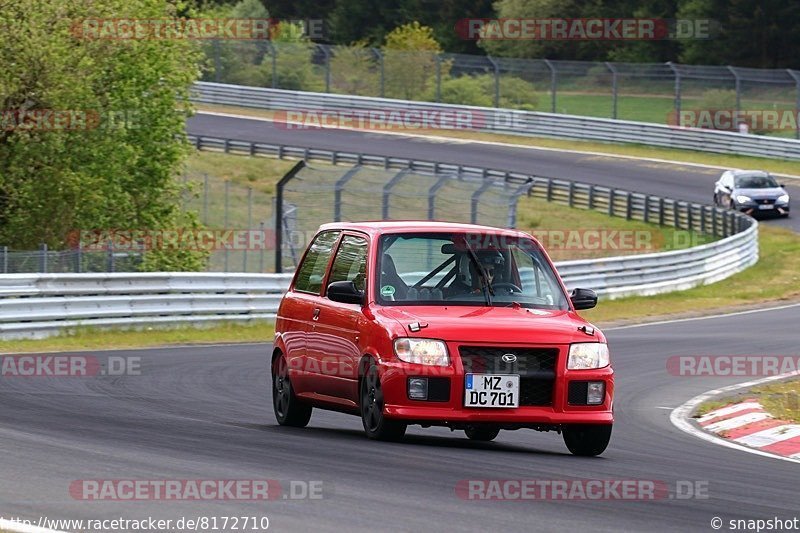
[(376, 425), (289, 410), (732, 205), (483, 434), (587, 440)]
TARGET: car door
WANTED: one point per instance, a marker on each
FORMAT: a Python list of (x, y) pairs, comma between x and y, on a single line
[(298, 308), (333, 343)]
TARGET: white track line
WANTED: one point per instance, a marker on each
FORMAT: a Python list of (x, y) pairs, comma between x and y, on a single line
[(456, 140), (770, 436), (725, 411), (680, 418), (737, 421)]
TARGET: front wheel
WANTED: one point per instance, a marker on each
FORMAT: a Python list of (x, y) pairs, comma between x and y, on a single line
[(288, 409), (587, 440), (376, 425)]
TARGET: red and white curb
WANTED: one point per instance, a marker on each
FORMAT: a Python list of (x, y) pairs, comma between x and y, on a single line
[(744, 426), (749, 424)]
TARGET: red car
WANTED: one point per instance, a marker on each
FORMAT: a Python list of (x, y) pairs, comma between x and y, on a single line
[(440, 324)]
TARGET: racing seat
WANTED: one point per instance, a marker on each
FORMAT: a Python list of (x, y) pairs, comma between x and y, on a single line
[(389, 276)]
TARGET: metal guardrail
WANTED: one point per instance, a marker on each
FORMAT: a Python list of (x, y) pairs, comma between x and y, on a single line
[(509, 122), (38, 305)]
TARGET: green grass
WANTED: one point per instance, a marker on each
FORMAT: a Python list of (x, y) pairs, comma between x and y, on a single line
[(781, 400), (92, 339)]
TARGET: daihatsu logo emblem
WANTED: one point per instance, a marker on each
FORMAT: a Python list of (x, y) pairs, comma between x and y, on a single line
[(509, 358)]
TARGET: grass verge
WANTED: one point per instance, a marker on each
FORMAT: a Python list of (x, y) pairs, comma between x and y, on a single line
[(776, 277), (633, 150), (85, 339)]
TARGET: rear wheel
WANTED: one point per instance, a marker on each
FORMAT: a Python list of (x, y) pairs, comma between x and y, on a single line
[(289, 411), (587, 440), (376, 425), (481, 433)]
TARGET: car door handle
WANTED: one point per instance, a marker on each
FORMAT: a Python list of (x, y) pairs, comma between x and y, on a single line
[(316, 314)]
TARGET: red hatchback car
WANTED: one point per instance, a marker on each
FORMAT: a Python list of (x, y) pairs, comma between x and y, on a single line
[(440, 324)]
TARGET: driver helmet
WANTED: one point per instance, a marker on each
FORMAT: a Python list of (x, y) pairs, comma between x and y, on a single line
[(492, 262)]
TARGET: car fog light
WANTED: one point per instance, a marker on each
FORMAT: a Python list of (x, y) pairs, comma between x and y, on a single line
[(418, 388), (595, 394)]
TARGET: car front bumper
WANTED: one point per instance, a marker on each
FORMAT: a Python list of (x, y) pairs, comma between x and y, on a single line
[(452, 412)]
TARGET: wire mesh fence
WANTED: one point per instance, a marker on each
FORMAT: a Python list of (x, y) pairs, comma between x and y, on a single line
[(648, 92), (315, 195)]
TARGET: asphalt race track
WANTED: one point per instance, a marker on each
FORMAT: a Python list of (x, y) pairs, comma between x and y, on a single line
[(205, 413), (683, 182)]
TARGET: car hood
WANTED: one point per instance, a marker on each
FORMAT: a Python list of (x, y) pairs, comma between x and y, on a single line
[(500, 325), (772, 192)]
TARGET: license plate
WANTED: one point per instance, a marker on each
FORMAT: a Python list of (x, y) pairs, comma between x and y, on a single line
[(769, 206), (491, 390)]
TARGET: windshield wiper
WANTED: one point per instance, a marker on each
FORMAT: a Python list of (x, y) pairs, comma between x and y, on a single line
[(488, 291)]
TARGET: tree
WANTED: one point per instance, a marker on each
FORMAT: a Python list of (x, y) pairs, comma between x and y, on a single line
[(410, 61), (112, 165)]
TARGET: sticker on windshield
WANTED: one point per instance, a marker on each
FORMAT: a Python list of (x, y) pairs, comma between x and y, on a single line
[(387, 290)]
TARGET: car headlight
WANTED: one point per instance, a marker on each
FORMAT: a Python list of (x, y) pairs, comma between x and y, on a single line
[(784, 198), (422, 351), (742, 199), (588, 355)]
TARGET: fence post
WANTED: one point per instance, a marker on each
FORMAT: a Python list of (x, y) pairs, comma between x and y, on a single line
[(273, 52), (110, 256), (217, 61), (591, 197), (78, 257), (279, 213), (438, 78), (677, 74), (5, 259), (378, 53), (43, 258), (647, 208), (432, 195), (553, 84), (611, 196), (327, 53), (387, 191), (475, 200), (628, 205), (261, 252), (249, 227), (496, 68), (225, 219), (796, 76), (571, 194), (613, 89), (738, 82), (337, 192)]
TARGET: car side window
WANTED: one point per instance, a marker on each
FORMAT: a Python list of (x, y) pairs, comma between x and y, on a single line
[(312, 270), (350, 263)]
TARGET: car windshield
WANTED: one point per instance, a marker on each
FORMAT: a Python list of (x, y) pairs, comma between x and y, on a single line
[(466, 269), (755, 181)]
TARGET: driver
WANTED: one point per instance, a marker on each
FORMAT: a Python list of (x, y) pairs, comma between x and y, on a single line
[(492, 262)]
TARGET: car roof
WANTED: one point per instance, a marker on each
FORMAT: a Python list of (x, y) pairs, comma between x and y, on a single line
[(380, 227)]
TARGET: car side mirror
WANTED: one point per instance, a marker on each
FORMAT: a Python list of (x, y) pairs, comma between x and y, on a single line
[(583, 299), (345, 292)]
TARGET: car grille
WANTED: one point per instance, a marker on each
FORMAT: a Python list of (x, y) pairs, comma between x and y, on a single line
[(535, 366), (765, 201)]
